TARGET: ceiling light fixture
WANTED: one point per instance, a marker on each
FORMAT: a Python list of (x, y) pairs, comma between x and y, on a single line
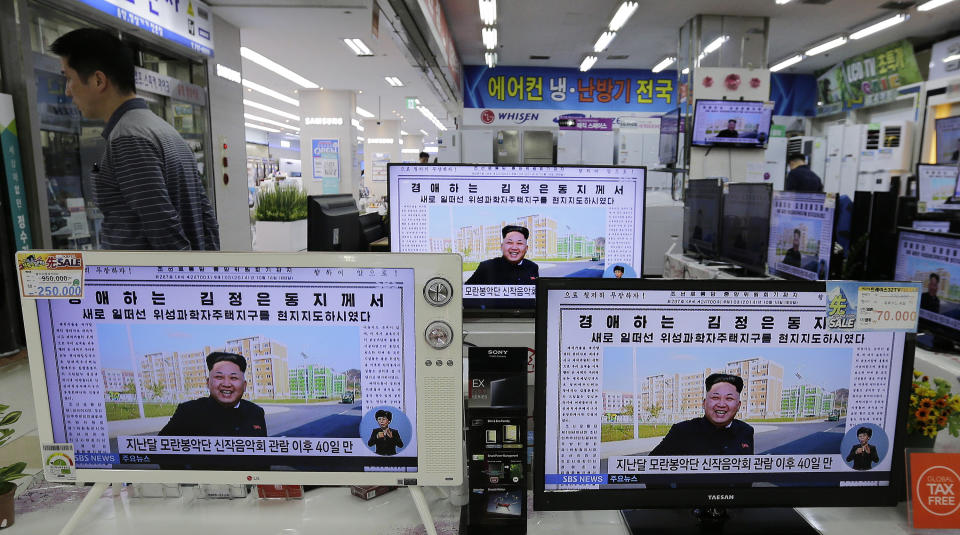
[(622, 15), (227, 73), (829, 45), (782, 2), (402, 133), (270, 109), (489, 35), (716, 44), (604, 41), (264, 128), (393, 81), (786, 63), (491, 59), (380, 141), (358, 47), (276, 68), (932, 4), (686, 70), (948, 59), (432, 118), (882, 25), (253, 86), (363, 113), (424, 132), (360, 139), (664, 63), (488, 12), (356, 124), (587, 63), (253, 117)]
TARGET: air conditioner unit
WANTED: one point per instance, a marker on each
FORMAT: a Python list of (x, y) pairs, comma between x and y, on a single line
[(834, 158), (885, 152), (814, 148), (853, 135)]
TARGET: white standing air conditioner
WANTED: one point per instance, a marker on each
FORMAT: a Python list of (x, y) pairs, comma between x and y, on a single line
[(885, 152), (814, 148), (834, 158), (850, 158)]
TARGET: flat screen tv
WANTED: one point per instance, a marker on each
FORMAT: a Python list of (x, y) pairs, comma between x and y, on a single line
[(933, 260), (239, 367), (709, 394), (701, 217), (731, 123), (948, 139), (746, 225), (936, 183), (801, 235), (669, 137), (514, 224)]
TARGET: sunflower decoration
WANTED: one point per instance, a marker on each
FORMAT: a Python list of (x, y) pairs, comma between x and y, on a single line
[(933, 407)]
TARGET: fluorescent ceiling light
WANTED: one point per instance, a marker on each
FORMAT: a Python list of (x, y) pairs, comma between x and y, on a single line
[(380, 141), (402, 133), (393, 81), (716, 44), (424, 132), (270, 92), (227, 73), (410, 151), (363, 113), (356, 124), (488, 11), (270, 109), (623, 14), (253, 117), (829, 45), (359, 47), (786, 63), (264, 128), (489, 35), (686, 70), (491, 59), (882, 25), (954, 57), (360, 139), (276, 68), (604, 41), (431, 117), (666, 62), (781, 2), (587, 63), (932, 4)]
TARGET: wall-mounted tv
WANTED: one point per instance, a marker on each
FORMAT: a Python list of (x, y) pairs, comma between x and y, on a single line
[(801, 235), (513, 224), (731, 123)]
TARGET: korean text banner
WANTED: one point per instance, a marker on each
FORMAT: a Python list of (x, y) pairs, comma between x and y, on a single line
[(873, 78), (569, 89)]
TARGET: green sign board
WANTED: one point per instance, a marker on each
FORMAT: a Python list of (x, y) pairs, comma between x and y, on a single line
[(830, 91), (12, 167), (874, 77), (412, 103)]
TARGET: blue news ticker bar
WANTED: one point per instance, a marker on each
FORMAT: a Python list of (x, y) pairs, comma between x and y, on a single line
[(575, 479), (97, 458)]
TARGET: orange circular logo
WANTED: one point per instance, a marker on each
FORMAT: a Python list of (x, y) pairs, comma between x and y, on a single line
[(937, 489)]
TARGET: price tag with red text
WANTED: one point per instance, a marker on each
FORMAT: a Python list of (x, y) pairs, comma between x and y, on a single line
[(935, 490), (872, 306)]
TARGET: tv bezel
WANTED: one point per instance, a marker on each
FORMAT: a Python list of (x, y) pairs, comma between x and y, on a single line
[(687, 249), (693, 138), (610, 499), (676, 138), (930, 326), (757, 269), (430, 470), (833, 238), (515, 312)]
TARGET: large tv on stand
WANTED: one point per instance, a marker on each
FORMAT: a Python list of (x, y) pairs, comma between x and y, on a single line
[(801, 235), (745, 226), (132, 376), (513, 224), (931, 258), (638, 405), (702, 212)]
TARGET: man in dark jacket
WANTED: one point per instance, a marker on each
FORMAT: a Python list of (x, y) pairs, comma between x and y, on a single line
[(717, 432), (801, 178), (384, 439), (793, 256), (511, 267)]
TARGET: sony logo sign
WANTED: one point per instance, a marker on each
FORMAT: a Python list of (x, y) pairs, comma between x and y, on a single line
[(719, 497)]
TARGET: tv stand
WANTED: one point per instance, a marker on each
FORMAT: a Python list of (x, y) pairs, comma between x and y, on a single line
[(718, 520)]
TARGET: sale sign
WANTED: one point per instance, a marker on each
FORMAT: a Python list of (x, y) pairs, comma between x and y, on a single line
[(872, 306), (934, 484)]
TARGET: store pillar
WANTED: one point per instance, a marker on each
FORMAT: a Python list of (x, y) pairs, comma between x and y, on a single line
[(382, 146), (328, 142)]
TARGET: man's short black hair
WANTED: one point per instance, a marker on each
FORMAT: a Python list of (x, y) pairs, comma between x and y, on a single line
[(424, 155), (515, 228), (715, 378), (88, 50), (618, 268), (218, 356), (386, 414), (865, 431), (796, 231), (796, 156), (935, 276)]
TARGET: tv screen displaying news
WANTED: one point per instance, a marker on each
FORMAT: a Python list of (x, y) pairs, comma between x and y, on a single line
[(948, 139), (801, 235), (935, 185), (142, 372), (746, 224), (731, 123), (721, 386), (669, 137), (701, 216), (933, 259), (515, 224)]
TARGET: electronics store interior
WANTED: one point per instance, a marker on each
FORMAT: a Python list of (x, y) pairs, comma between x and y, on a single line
[(555, 266)]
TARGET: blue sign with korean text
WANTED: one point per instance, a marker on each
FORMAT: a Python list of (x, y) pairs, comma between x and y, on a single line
[(569, 89)]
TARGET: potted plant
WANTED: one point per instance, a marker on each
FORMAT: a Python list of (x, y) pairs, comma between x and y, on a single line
[(8, 473), (932, 408), (281, 215)]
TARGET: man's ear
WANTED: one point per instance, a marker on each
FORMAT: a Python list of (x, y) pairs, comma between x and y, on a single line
[(100, 80)]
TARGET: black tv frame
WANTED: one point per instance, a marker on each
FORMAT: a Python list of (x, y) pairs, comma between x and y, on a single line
[(755, 269), (690, 248), (693, 129), (722, 497), (954, 165), (944, 337), (319, 238)]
